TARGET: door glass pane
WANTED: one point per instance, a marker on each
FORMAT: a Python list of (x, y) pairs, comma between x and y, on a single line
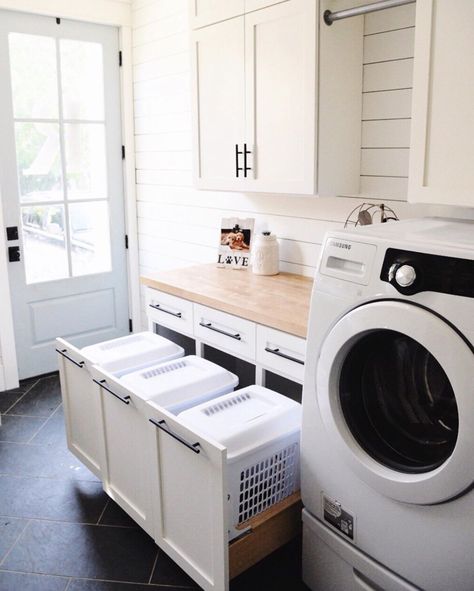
[(38, 162), (90, 238), (44, 246), (86, 167), (398, 402), (82, 80), (33, 76)]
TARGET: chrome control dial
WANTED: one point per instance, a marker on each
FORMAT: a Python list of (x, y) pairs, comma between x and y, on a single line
[(405, 275)]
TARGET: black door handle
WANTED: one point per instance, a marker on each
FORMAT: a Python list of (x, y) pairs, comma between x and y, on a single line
[(237, 167), (14, 254), (246, 168)]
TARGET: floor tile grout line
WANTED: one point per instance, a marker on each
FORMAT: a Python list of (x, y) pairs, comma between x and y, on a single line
[(73, 578), (154, 565), (16, 475), (49, 520), (107, 502), (2, 562), (22, 396), (44, 424), (68, 584)]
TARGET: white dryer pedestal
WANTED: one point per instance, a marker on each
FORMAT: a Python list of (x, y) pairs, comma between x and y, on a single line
[(332, 564)]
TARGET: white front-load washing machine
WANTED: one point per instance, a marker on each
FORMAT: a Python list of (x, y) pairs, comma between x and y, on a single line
[(388, 410)]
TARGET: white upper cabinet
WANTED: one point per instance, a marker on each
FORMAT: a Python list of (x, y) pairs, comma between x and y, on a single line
[(280, 97), (256, 101), (206, 12), (219, 82), (442, 136)]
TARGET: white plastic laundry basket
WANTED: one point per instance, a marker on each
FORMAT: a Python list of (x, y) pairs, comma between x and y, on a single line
[(261, 431), (177, 385), (132, 352)]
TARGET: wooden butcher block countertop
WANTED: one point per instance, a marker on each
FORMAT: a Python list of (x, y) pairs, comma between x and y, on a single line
[(279, 301)]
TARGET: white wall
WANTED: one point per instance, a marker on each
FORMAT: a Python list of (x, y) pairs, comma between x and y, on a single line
[(178, 225)]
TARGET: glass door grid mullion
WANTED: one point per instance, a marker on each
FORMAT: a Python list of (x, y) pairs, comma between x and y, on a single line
[(67, 227)]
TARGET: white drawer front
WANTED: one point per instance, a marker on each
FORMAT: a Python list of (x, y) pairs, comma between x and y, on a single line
[(225, 331), (170, 311), (282, 352)]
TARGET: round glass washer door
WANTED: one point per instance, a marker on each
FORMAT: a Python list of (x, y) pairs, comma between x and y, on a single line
[(395, 387)]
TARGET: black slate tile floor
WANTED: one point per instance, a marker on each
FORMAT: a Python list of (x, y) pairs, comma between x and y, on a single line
[(60, 532)]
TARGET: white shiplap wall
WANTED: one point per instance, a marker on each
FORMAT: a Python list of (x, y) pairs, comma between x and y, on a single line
[(178, 225)]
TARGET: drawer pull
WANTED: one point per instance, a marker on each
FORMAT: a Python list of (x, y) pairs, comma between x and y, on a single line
[(63, 353), (164, 427), (284, 355), (158, 307), (208, 325), (124, 399)]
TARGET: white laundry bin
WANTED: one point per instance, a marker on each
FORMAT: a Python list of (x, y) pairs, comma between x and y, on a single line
[(261, 431), (81, 396), (179, 384)]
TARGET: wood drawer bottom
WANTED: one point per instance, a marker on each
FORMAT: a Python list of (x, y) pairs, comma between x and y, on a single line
[(269, 531)]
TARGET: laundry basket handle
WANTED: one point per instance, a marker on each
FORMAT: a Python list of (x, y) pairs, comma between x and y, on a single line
[(164, 427)]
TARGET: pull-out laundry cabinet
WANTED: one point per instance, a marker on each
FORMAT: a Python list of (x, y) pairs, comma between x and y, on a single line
[(81, 396), (220, 464), (130, 474)]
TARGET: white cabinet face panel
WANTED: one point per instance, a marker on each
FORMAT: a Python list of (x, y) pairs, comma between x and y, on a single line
[(280, 45), (281, 352), (206, 12), (191, 509), (219, 116), (442, 145), (127, 437), (81, 398), (170, 311), (251, 5), (225, 331)]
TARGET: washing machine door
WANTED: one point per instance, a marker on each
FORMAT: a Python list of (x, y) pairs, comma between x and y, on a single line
[(395, 388)]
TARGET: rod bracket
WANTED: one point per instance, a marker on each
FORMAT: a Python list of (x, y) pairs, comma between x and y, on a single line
[(327, 16)]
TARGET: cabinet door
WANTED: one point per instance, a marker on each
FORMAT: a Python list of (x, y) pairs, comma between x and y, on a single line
[(219, 116), (251, 5), (127, 464), (206, 12), (81, 399), (281, 97), (191, 507), (442, 129)]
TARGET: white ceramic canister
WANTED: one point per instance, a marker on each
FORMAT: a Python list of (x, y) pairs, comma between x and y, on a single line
[(265, 259)]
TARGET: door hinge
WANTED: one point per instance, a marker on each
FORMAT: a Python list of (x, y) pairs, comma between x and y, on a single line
[(123, 152), (120, 59), (58, 21), (126, 241), (130, 325)]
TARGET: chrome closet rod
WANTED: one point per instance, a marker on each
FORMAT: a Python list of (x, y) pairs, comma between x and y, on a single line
[(330, 17)]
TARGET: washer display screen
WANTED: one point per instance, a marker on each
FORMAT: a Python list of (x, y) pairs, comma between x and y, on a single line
[(398, 402)]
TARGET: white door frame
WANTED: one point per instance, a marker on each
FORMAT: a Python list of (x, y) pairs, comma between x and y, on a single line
[(105, 12)]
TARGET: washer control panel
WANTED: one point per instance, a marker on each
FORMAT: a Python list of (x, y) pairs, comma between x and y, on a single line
[(413, 272)]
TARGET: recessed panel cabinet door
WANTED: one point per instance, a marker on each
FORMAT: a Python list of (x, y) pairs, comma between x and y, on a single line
[(206, 12), (191, 508), (280, 46), (219, 114), (442, 129)]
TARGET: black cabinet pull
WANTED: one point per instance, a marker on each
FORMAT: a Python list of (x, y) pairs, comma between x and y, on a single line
[(158, 307), (284, 355), (63, 353), (101, 383), (208, 325), (237, 154), (246, 168), (164, 427)]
